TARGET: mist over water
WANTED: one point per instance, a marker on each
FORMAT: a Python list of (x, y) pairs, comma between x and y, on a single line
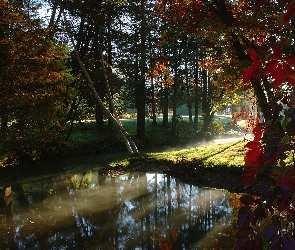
[(89, 211)]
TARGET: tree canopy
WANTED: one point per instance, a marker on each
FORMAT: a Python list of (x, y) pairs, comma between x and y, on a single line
[(34, 83)]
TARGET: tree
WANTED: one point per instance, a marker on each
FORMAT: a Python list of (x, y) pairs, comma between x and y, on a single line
[(33, 81)]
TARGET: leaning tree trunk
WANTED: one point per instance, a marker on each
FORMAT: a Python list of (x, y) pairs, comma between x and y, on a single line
[(127, 138)]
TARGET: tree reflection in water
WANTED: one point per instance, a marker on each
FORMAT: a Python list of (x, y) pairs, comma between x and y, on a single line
[(133, 211)]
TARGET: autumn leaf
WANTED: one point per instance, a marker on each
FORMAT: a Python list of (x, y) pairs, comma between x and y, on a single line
[(253, 144), (270, 66), (253, 54), (277, 53), (252, 70), (288, 15), (254, 158), (257, 131), (247, 74), (249, 176), (290, 60), (278, 75)]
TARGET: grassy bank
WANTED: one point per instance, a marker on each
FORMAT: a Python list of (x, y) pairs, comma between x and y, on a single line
[(228, 154)]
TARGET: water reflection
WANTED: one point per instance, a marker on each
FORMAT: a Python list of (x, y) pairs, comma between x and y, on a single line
[(134, 211)]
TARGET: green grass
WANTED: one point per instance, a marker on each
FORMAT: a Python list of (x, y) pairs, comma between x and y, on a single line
[(230, 154), (227, 154)]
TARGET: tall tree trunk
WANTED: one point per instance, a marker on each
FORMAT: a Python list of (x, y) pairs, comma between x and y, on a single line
[(187, 84), (204, 92), (165, 109), (72, 115), (174, 104), (109, 58), (196, 94), (141, 91), (153, 103)]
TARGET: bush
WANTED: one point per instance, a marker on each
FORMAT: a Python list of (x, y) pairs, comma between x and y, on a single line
[(184, 130), (216, 128)]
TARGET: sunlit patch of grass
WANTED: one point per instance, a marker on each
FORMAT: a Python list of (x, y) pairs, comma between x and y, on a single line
[(121, 163), (229, 154)]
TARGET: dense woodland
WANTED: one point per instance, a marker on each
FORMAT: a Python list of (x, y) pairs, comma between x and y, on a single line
[(134, 56)]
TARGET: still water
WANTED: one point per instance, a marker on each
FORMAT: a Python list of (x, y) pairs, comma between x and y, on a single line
[(84, 210)]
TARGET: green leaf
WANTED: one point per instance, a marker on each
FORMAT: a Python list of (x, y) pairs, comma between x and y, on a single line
[(285, 139)]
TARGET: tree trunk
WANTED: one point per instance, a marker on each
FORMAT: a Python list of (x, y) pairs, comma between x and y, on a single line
[(141, 91), (165, 109), (174, 105), (153, 103), (72, 115), (196, 94), (189, 103), (109, 59)]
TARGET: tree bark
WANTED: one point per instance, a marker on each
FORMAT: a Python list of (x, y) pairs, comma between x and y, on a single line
[(165, 109), (140, 88), (196, 94)]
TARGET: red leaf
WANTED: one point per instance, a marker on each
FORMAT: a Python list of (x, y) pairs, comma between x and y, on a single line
[(291, 4), (252, 54), (254, 158), (253, 144), (270, 66), (288, 15), (288, 71), (256, 64), (257, 131), (290, 59), (278, 75), (287, 180), (272, 160), (259, 3), (291, 80), (284, 202), (277, 53), (247, 74), (249, 176)]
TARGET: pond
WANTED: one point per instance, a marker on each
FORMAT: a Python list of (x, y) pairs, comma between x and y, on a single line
[(80, 209)]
